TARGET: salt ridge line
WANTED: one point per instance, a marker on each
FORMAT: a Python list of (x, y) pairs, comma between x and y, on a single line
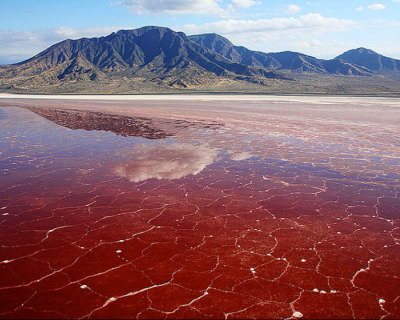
[(312, 99)]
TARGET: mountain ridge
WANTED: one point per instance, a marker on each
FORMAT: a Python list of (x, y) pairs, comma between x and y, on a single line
[(157, 50), (370, 59), (344, 64), (155, 59)]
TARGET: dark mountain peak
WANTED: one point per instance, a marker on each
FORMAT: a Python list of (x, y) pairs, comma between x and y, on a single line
[(210, 38), (357, 52), (144, 30), (365, 50), (370, 59), (157, 54), (215, 43), (292, 55)]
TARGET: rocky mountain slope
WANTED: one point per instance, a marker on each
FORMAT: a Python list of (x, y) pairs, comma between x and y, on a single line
[(371, 60), (154, 53), (287, 60), (158, 59)]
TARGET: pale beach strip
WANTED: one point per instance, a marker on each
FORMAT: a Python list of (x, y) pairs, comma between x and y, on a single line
[(308, 99)]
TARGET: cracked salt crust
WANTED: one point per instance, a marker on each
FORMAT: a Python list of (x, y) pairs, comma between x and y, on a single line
[(69, 235)]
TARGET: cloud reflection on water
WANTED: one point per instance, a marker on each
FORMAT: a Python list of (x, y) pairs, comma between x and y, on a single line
[(165, 161), (239, 156)]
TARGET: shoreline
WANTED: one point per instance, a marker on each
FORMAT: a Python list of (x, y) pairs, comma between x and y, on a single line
[(309, 99)]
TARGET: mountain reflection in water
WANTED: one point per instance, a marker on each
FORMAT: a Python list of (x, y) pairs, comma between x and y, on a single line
[(86, 120), (165, 161)]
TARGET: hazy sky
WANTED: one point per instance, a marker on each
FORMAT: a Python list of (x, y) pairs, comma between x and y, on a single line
[(321, 28)]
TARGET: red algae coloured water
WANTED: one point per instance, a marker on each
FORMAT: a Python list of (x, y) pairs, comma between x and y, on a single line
[(267, 211)]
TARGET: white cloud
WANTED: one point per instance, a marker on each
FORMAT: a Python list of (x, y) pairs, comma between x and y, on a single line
[(312, 22), (160, 161), (243, 3), (292, 9), (377, 6), (206, 7), (360, 8)]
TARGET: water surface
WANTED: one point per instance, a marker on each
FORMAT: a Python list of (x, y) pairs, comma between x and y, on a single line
[(264, 216)]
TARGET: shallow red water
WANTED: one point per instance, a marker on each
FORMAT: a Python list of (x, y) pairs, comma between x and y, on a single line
[(269, 219)]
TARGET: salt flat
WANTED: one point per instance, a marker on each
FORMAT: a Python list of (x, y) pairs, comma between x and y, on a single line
[(216, 97), (199, 207)]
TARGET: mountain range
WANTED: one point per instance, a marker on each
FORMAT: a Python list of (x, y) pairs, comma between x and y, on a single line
[(360, 61), (158, 59)]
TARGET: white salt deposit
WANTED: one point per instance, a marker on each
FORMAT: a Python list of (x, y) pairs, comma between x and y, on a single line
[(84, 286), (323, 291), (303, 260), (297, 314), (118, 251), (5, 214), (315, 290), (381, 301), (221, 97)]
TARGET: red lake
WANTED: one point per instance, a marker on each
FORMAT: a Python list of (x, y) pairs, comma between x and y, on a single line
[(200, 207)]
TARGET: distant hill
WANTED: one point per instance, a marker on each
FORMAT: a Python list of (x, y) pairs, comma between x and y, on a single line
[(287, 60), (370, 59), (158, 59)]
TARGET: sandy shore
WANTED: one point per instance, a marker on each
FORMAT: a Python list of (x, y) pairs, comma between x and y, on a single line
[(392, 101)]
